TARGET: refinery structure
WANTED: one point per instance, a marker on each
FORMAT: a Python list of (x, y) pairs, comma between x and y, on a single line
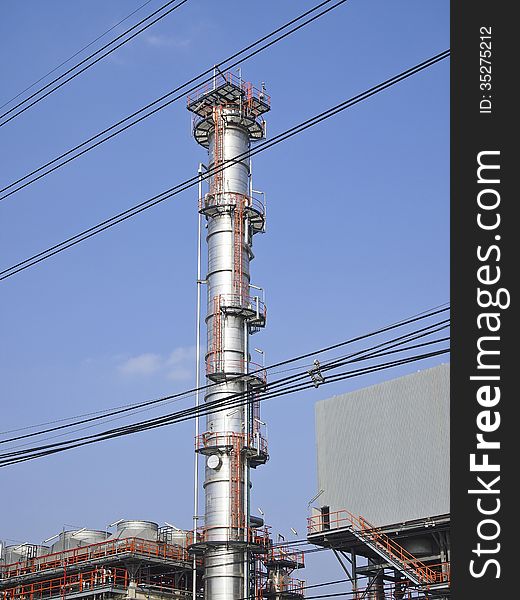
[(229, 554)]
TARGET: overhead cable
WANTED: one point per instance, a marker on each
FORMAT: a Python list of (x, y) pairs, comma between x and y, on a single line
[(166, 100), (85, 60), (193, 181), (132, 407)]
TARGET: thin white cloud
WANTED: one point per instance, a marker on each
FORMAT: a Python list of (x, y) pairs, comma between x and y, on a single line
[(175, 366), (143, 364), (166, 41)]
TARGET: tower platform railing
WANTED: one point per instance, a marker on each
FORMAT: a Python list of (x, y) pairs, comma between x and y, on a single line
[(253, 305), (282, 554), (205, 442), (252, 536), (220, 368), (221, 79), (225, 199)]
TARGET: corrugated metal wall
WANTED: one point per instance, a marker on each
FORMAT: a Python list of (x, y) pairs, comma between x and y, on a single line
[(383, 451)]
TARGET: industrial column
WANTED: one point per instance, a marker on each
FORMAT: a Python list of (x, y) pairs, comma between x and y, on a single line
[(227, 119)]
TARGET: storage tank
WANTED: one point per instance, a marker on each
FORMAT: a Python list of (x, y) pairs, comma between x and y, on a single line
[(12, 554), (145, 530), (23, 552), (78, 537), (176, 537)]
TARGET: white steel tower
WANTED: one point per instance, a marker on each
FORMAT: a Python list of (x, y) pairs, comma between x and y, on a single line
[(227, 119)]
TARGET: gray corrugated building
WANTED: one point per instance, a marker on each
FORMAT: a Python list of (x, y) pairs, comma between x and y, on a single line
[(383, 451)]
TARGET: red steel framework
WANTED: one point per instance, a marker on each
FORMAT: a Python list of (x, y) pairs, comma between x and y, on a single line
[(83, 554), (290, 586), (69, 584), (84, 582), (286, 586), (283, 553), (426, 574)]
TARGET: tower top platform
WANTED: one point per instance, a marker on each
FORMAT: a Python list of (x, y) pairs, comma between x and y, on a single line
[(228, 90)]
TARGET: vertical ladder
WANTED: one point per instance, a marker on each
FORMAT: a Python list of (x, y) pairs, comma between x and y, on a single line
[(235, 482), (218, 158), (238, 249), (216, 345)]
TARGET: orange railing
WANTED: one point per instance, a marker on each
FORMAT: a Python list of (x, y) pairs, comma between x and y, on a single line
[(211, 439), (255, 535), (251, 303), (71, 584), (442, 572), (109, 577), (228, 77), (232, 199), (289, 586), (282, 553), (343, 518), (94, 551)]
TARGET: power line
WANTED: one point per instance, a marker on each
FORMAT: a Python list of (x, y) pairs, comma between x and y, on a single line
[(191, 182), (279, 386), (237, 378), (74, 75), (10, 458), (129, 408), (76, 53), (221, 65), (103, 413), (241, 395)]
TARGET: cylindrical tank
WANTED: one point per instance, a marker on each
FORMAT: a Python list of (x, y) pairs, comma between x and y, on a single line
[(145, 530), (176, 537), (13, 554), (224, 572), (23, 552), (78, 537)]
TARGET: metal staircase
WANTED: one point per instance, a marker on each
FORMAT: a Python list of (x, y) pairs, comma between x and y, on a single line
[(388, 549), (393, 553)]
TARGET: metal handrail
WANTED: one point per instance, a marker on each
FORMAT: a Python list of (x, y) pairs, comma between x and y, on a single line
[(344, 518), (253, 303), (216, 364), (60, 586), (101, 577), (281, 553), (211, 439), (255, 535), (232, 199), (291, 585), (81, 554), (229, 77)]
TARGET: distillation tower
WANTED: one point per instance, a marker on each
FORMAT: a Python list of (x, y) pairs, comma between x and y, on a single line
[(227, 119)]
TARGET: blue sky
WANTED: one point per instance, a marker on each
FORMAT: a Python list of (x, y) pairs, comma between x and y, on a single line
[(357, 237)]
